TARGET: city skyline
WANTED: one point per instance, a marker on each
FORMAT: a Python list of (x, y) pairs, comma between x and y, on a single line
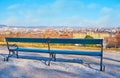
[(84, 13)]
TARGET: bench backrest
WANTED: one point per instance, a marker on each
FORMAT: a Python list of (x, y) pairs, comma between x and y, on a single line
[(75, 41), (56, 40), (28, 40)]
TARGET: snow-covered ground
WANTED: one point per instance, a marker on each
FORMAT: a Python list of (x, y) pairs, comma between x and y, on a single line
[(33, 65)]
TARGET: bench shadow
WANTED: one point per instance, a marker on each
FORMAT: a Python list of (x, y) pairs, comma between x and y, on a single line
[(111, 59), (42, 58), (12, 69), (96, 65), (69, 60), (87, 63), (93, 65), (3, 56), (39, 58)]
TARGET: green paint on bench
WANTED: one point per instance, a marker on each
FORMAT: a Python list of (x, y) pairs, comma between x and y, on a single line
[(56, 40), (53, 52), (76, 52), (39, 50), (15, 48), (29, 40), (75, 41)]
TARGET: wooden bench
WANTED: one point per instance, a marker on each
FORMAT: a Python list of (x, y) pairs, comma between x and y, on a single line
[(52, 52)]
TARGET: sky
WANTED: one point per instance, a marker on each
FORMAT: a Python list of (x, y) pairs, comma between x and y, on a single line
[(83, 13)]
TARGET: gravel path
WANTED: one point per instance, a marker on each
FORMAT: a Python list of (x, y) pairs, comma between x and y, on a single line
[(33, 65)]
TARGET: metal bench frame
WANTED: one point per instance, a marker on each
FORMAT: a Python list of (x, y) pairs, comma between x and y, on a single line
[(76, 41), (52, 53), (24, 40)]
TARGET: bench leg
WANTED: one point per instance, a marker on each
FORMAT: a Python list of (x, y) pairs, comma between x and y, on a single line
[(17, 54), (7, 58), (11, 53), (50, 58), (101, 63), (54, 56)]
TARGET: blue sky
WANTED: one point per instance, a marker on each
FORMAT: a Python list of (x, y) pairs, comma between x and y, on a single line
[(83, 13)]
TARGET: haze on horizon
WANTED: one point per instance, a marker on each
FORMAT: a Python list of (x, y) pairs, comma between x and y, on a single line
[(85, 13)]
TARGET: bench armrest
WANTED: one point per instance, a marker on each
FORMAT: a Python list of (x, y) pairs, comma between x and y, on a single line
[(11, 46)]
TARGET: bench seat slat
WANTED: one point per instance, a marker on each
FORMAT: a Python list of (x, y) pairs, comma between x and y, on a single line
[(39, 50), (76, 52)]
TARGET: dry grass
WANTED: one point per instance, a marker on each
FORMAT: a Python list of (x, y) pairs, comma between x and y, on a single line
[(59, 46)]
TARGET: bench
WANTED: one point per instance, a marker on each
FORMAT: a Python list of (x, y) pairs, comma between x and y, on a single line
[(14, 49), (52, 52)]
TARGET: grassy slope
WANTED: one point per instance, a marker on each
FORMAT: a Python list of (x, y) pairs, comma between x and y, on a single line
[(60, 46)]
